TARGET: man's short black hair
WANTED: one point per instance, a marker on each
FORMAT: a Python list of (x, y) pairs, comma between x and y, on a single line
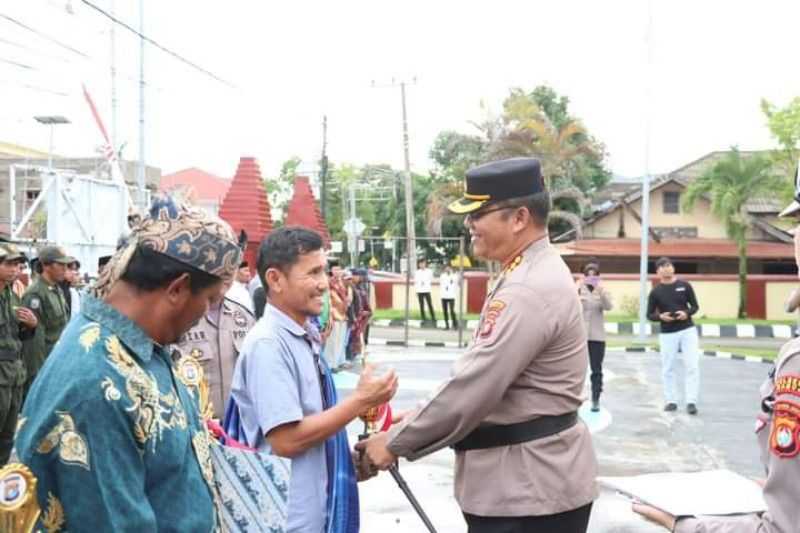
[(283, 247), (663, 261), (538, 205), (149, 270), (243, 264)]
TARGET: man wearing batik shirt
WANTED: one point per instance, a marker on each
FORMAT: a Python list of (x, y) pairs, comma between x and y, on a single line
[(110, 428)]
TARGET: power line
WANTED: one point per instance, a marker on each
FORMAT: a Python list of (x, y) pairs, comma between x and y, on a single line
[(43, 36), (33, 87), (16, 64), (157, 45), (33, 50)]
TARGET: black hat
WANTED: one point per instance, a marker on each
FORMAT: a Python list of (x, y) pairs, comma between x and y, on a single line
[(794, 207), (499, 180)]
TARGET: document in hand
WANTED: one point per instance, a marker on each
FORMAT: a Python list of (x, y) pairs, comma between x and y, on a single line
[(715, 492)]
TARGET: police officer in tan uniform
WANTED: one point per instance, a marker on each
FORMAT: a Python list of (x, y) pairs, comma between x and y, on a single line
[(524, 460), (778, 434), (215, 341)]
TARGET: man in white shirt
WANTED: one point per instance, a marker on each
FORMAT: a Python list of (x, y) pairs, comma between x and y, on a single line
[(422, 285), (238, 291), (448, 289)]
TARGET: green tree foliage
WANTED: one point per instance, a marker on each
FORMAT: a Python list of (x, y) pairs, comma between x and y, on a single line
[(729, 184), (279, 189), (453, 153), (536, 123), (784, 124)]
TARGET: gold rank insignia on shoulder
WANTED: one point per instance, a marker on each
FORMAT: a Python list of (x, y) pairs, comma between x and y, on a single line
[(512, 265), (19, 508)]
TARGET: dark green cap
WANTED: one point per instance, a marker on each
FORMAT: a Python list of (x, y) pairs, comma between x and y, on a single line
[(55, 254)]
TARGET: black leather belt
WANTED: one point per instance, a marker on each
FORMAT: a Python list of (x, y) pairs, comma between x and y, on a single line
[(492, 436), (9, 355)]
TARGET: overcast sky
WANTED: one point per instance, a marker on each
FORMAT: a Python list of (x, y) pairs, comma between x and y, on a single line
[(293, 62)]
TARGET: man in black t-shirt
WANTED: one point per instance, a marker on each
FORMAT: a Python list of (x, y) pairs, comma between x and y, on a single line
[(672, 303)]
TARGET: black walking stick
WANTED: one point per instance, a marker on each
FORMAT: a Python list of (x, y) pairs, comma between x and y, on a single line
[(369, 418)]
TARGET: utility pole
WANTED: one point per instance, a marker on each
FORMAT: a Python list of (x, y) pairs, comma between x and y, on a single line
[(140, 178), (410, 231), (324, 168), (411, 238), (643, 277), (113, 48), (353, 244)]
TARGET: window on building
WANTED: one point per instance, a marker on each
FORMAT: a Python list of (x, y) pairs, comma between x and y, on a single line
[(31, 195), (672, 202)]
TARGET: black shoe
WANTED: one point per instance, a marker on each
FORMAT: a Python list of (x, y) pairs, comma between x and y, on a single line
[(595, 406), (691, 409), (671, 407)]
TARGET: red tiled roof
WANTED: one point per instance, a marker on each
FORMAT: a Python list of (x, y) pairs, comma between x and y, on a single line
[(205, 186), (705, 248), (246, 206), (304, 211)]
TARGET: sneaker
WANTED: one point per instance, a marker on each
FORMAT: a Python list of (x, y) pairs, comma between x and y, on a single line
[(671, 407), (595, 406), (691, 409)]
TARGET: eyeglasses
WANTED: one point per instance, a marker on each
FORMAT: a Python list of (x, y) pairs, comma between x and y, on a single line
[(479, 214)]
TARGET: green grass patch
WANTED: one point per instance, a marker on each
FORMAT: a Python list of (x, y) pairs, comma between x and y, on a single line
[(768, 353), (400, 314), (720, 321)]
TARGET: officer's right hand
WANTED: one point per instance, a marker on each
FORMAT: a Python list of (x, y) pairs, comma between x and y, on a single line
[(666, 317), (27, 317), (373, 391)]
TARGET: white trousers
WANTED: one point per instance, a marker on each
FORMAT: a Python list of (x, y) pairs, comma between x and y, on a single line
[(686, 342)]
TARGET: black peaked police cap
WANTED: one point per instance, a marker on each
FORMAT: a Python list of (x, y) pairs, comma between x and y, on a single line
[(499, 180)]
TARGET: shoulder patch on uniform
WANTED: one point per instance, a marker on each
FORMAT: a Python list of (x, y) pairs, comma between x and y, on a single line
[(784, 438), (239, 319), (493, 311), (787, 384), (36, 303)]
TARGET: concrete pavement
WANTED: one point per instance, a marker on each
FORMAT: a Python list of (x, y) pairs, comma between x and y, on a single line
[(632, 435), (442, 335)]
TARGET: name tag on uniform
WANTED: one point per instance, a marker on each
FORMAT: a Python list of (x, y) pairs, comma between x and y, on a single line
[(680, 289)]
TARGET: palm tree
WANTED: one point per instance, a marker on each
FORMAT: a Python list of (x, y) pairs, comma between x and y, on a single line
[(729, 184)]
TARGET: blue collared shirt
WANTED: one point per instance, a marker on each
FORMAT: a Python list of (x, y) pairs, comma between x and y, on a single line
[(113, 435), (277, 382)]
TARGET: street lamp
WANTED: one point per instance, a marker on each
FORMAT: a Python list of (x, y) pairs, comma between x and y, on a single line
[(51, 121)]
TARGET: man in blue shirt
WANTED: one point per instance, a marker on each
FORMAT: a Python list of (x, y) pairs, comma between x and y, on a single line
[(283, 392), (110, 428)]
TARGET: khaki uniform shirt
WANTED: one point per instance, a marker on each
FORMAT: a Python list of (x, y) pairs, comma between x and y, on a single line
[(528, 358), (217, 347), (594, 304), (778, 434)]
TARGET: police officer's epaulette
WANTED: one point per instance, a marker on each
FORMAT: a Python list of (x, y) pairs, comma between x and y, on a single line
[(513, 264), (239, 306)]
